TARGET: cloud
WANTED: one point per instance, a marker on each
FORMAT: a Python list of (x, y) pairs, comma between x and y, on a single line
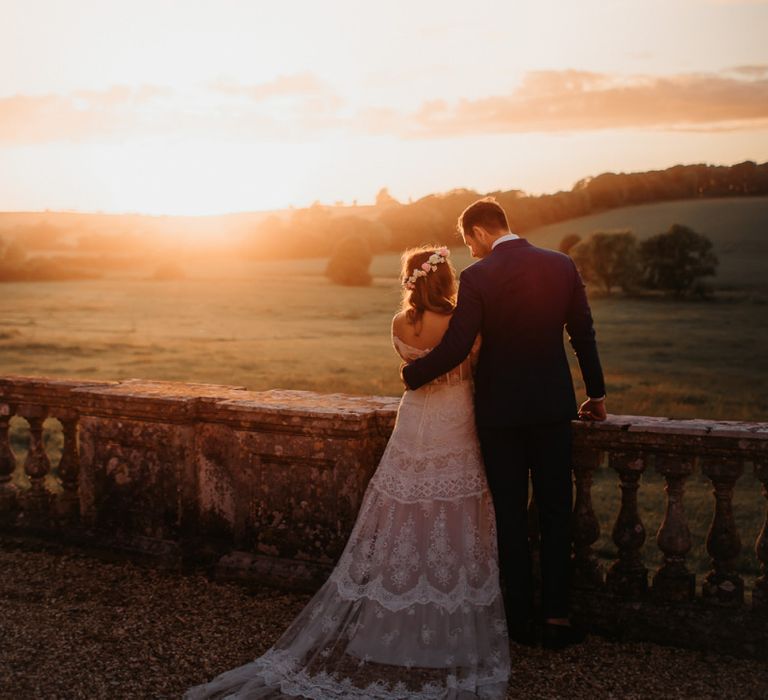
[(80, 115), (313, 102), (571, 100), (755, 71), (300, 84), (287, 108), (301, 107), (123, 94)]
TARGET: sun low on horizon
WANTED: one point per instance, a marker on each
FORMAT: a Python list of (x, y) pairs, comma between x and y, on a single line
[(193, 108)]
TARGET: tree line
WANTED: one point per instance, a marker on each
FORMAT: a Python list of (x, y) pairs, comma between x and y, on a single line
[(320, 231)]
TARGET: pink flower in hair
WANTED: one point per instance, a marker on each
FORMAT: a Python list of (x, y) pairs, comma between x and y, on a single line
[(426, 267)]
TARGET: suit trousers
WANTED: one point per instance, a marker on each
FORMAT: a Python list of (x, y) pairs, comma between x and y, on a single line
[(509, 453)]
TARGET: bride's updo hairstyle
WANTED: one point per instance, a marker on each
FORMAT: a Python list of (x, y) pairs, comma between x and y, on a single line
[(435, 291)]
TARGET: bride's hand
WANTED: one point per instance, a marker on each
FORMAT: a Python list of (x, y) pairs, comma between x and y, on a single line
[(593, 410)]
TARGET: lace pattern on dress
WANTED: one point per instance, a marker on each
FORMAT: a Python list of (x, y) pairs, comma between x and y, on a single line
[(409, 479), (413, 608), (324, 686)]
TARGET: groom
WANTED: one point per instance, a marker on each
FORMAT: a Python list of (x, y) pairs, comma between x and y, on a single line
[(519, 297)]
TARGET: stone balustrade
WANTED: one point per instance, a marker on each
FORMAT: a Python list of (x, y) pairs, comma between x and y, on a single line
[(264, 487)]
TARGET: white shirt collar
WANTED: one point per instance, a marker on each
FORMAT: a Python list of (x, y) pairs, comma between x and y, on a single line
[(507, 237)]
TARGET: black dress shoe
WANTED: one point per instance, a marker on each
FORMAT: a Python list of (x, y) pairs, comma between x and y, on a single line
[(554, 636), (523, 632)]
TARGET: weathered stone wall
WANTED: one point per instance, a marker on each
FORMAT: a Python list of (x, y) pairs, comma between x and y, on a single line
[(264, 487), (191, 472)]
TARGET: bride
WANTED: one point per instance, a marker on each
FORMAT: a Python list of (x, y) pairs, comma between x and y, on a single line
[(413, 608)]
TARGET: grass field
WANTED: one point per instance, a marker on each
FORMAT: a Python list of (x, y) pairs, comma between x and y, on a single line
[(282, 325)]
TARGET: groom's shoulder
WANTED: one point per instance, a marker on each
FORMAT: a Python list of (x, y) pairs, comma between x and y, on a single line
[(474, 268), (554, 256), (540, 250), (478, 272)]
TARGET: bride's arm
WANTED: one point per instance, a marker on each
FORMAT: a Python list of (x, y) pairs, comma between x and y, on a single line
[(393, 340)]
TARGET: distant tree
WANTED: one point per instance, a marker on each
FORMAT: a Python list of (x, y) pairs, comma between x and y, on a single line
[(385, 199), (376, 233), (415, 223), (268, 240), (124, 242), (350, 262), (744, 177), (608, 259), (41, 236), (568, 242), (308, 231), (16, 266), (12, 253), (606, 191), (676, 261)]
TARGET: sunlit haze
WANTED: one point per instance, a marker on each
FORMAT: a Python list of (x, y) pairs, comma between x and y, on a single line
[(210, 107)]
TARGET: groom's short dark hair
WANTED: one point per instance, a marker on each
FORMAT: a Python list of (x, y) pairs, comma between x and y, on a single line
[(486, 212)]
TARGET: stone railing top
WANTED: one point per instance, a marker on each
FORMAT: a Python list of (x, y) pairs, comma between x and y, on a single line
[(311, 402), (666, 434), (696, 426), (50, 391), (184, 401), (292, 409), (300, 410)]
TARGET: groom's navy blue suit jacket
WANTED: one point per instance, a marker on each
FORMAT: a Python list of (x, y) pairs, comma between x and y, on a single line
[(519, 298)]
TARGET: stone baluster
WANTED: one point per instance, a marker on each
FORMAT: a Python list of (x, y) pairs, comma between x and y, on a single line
[(68, 501), (760, 591), (37, 500), (587, 571), (723, 585), (7, 466), (673, 581), (628, 575)]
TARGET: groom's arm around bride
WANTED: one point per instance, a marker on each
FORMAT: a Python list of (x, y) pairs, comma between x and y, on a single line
[(519, 297)]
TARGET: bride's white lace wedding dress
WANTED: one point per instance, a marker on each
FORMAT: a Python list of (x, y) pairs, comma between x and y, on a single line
[(413, 608)]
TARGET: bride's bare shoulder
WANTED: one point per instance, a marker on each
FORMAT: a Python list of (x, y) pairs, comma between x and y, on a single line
[(398, 321)]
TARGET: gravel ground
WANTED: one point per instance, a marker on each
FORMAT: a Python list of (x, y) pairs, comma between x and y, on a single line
[(73, 626)]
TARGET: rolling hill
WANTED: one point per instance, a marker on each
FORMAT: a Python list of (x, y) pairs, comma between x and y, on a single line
[(738, 229)]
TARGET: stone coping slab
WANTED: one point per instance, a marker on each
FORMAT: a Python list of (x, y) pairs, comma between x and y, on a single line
[(177, 401), (665, 434)]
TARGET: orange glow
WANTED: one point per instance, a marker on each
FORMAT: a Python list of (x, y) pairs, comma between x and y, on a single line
[(195, 108)]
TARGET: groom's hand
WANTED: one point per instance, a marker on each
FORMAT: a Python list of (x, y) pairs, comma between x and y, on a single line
[(593, 410)]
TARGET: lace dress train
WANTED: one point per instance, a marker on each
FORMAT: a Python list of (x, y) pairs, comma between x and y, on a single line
[(413, 608)]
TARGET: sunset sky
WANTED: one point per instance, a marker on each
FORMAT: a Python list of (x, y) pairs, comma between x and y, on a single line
[(190, 107)]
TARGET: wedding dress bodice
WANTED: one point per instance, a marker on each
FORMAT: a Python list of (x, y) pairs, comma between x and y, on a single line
[(460, 373)]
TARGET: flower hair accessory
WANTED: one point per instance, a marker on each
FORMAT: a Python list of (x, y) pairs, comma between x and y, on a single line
[(439, 256)]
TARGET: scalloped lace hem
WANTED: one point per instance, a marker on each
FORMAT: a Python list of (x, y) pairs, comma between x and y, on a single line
[(423, 592), (277, 670)]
